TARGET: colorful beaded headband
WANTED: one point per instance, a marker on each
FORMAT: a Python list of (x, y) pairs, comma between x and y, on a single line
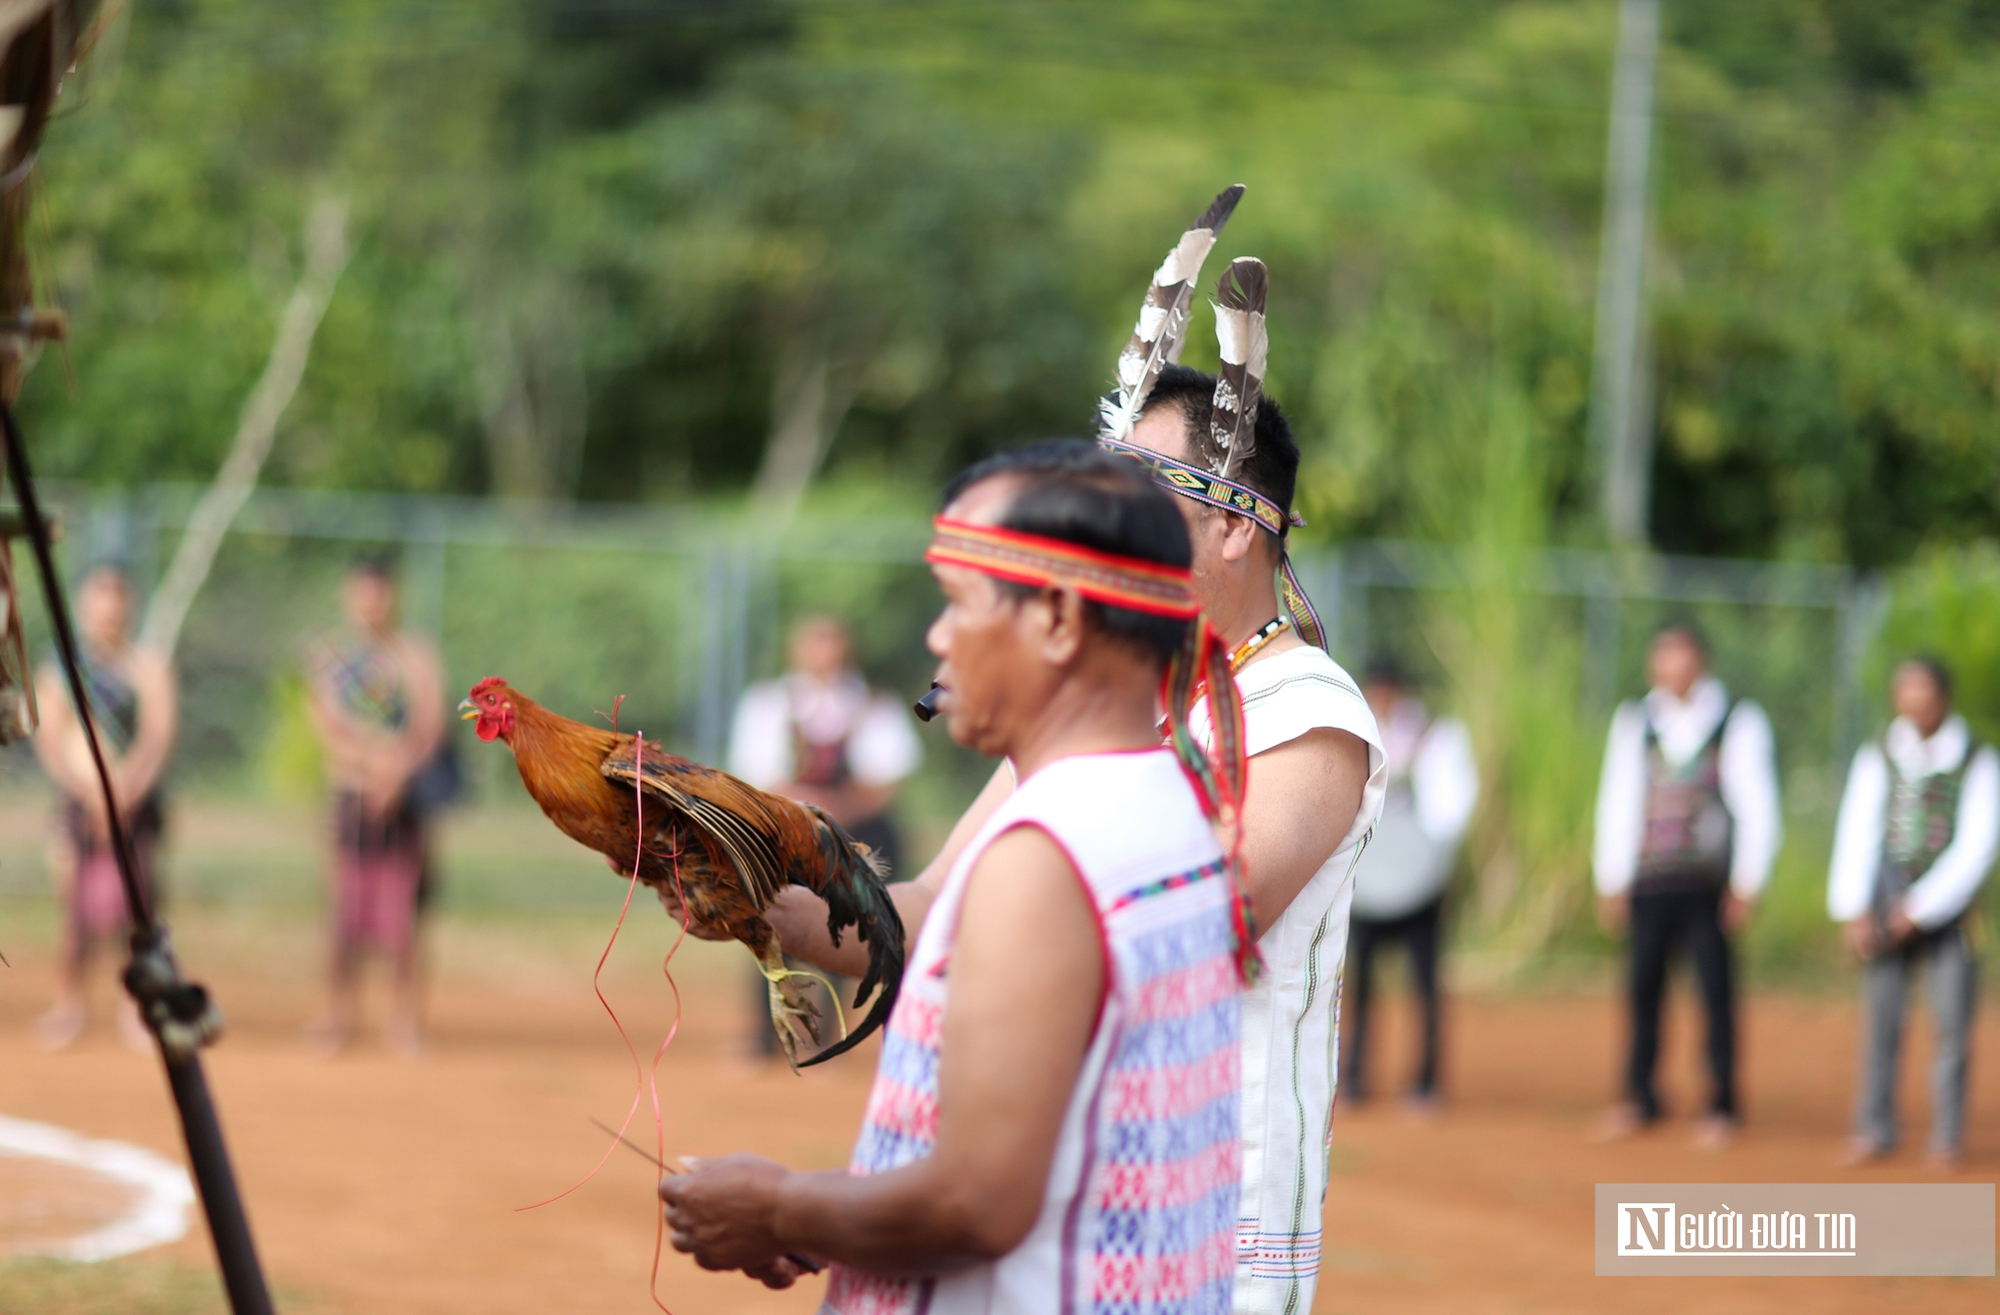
[(1215, 491), (1034, 559)]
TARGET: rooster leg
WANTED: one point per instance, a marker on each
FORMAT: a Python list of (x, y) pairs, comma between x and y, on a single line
[(793, 1012)]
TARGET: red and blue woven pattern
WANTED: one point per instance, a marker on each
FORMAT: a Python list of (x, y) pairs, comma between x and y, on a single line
[(1156, 1215)]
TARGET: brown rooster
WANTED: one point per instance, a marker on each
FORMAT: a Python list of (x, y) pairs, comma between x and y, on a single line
[(732, 846)]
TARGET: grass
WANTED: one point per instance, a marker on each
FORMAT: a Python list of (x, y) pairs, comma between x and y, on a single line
[(127, 1286)]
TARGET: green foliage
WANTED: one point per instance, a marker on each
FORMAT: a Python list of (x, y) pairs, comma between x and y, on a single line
[(1946, 605)]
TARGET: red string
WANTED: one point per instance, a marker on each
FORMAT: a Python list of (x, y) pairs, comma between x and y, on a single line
[(644, 1080), (653, 1076)]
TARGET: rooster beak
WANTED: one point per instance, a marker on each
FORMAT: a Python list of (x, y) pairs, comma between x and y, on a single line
[(466, 710)]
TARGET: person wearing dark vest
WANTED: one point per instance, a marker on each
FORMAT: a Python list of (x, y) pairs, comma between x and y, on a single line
[(1919, 827), (1687, 829), (135, 706)]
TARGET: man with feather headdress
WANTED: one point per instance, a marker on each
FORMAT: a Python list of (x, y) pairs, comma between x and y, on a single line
[(1316, 768)]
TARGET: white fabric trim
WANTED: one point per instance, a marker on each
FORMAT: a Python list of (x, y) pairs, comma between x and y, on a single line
[(160, 1215)]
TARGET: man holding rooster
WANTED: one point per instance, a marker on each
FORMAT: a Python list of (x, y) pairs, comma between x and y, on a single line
[(1316, 767), (1054, 1122)]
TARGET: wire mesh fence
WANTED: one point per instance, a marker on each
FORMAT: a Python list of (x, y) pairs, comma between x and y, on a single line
[(677, 609)]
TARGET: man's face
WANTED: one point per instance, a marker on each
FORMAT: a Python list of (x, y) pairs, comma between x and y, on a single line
[(1164, 430), (1674, 663), (819, 649), (369, 601), (1915, 695), (104, 608), (1381, 696), (986, 662)]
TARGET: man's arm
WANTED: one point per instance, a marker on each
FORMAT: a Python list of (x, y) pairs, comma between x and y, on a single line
[(1857, 850), (1749, 780), (1027, 974), (800, 916), (159, 721), (59, 741), (1621, 815), (1299, 804)]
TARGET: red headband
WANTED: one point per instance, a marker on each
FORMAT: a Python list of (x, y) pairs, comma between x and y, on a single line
[(1034, 559), (1217, 776)]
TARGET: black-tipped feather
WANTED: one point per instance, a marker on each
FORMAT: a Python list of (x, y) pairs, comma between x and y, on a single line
[(1239, 386), (859, 897), (1163, 318), (847, 876)]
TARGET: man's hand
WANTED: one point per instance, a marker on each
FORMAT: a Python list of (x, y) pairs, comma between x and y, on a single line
[(723, 1213), (1614, 912), (1735, 912), (1901, 931), (1859, 934)]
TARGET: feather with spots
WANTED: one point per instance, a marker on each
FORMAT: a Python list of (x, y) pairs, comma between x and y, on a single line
[(1246, 350), (1163, 319)]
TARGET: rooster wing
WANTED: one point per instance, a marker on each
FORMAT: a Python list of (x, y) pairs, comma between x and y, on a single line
[(773, 842)]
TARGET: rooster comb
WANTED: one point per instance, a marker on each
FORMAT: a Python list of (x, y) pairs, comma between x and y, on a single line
[(491, 682)]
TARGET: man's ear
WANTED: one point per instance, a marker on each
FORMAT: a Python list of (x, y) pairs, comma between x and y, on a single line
[(1062, 633), (1239, 535)]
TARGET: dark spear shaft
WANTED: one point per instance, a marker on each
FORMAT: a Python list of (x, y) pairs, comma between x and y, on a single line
[(228, 1226)]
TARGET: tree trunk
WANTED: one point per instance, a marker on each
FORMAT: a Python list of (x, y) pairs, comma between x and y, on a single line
[(808, 402), (533, 397), (326, 256)]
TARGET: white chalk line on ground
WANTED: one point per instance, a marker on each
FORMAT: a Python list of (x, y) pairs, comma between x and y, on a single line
[(165, 1191)]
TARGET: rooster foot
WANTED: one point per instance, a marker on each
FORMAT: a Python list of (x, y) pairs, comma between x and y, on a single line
[(793, 1012)]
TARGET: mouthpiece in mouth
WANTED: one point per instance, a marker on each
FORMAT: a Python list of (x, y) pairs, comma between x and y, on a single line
[(926, 707)]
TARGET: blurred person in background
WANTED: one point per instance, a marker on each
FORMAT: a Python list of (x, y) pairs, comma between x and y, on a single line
[(134, 702), (1400, 880), (376, 696), (1687, 830), (818, 734), (1919, 826)]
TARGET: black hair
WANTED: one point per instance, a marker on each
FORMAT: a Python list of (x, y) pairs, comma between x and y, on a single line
[(1689, 629), (1272, 469), (1079, 493), (374, 565), (1385, 669), (1934, 667)]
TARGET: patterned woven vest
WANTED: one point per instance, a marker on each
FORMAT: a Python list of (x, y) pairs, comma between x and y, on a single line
[(1922, 817), (1139, 1216), (1688, 829)]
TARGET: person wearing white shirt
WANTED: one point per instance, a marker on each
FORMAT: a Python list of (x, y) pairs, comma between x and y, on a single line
[(1687, 829), (820, 735), (1400, 880), (1919, 825)]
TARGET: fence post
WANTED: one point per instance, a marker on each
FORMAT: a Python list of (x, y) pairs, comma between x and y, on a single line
[(424, 539), (715, 621), (1864, 603)]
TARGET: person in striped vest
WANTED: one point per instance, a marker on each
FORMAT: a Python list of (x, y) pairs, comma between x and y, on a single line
[(1054, 1124), (1919, 828)]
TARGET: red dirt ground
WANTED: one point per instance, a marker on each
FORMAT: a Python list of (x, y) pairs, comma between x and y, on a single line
[(383, 1186)]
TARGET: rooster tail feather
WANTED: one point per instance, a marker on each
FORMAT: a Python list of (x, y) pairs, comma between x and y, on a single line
[(1163, 319), (857, 895)]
